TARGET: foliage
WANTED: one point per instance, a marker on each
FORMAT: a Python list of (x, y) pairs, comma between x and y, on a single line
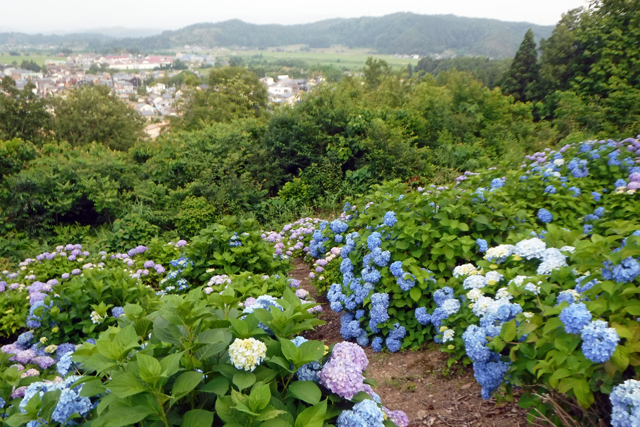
[(524, 72), (22, 113), (90, 113)]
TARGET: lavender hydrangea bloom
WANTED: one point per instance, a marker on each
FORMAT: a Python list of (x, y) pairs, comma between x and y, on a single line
[(117, 312), (342, 377), (352, 352)]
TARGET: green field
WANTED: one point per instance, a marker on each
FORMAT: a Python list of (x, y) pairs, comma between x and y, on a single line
[(336, 56), (38, 58)]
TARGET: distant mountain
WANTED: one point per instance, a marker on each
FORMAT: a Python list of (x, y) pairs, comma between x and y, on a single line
[(404, 33), (116, 32)]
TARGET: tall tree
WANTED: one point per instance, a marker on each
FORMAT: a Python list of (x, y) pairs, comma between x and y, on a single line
[(90, 114), (23, 114), (522, 79)]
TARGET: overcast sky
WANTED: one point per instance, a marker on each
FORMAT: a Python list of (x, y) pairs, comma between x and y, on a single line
[(67, 15)]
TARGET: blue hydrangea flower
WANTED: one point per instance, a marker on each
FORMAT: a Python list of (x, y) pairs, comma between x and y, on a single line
[(550, 189), (117, 311), (390, 219), (376, 344), (599, 341), (624, 272), (599, 212), (482, 245), (490, 374), (596, 196), (545, 216), (338, 226), (625, 400), (381, 258), (396, 269), (422, 316), (575, 191), (620, 183), (442, 295), (497, 183), (575, 317), (374, 240)]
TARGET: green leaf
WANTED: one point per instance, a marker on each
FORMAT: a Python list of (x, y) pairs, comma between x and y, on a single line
[(171, 364), (259, 398), (415, 293), (508, 332), (197, 418), (313, 416), (218, 385), (149, 368), (186, 382), (125, 385), (123, 416), (244, 380), (307, 391), (583, 393), (620, 358)]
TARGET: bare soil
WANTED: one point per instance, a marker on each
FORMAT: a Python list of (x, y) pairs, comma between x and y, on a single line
[(419, 382)]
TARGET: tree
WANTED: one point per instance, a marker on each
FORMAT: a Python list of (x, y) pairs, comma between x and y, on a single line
[(22, 113), (375, 70), (522, 79), (233, 93), (90, 113), (30, 65)]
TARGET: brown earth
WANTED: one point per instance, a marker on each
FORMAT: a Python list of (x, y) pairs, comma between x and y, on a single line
[(419, 382)]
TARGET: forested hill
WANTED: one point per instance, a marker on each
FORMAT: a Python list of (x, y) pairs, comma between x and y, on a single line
[(397, 33), (404, 33)]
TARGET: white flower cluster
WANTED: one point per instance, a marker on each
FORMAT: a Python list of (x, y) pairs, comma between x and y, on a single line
[(530, 248), (499, 253), (219, 280), (493, 277), (552, 259), (247, 354), (465, 270), (96, 318)]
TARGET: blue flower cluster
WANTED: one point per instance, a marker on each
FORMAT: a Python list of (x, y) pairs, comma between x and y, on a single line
[(575, 317), (364, 414), (390, 219), (69, 403), (482, 245), (599, 341), (625, 400), (624, 272), (545, 216), (488, 369)]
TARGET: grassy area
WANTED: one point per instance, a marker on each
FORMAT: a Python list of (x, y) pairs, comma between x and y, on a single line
[(337, 56), (38, 58)]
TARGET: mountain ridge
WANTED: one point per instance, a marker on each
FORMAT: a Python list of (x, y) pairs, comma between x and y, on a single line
[(402, 32)]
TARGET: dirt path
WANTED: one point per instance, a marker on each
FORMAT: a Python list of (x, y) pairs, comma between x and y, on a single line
[(418, 382)]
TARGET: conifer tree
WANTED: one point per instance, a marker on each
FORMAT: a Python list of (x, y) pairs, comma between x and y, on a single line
[(522, 79)]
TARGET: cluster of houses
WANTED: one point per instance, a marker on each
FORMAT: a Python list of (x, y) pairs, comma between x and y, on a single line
[(285, 90)]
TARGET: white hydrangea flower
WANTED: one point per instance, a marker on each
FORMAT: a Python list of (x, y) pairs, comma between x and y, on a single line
[(95, 317), (569, 249), (448, 335), (499, 253), (530, 248), (481, 306), (474, 294), (247, 354), (474, 282), (518, 280), (465, 270), (528, 315), (504, 293), (493, 277)]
